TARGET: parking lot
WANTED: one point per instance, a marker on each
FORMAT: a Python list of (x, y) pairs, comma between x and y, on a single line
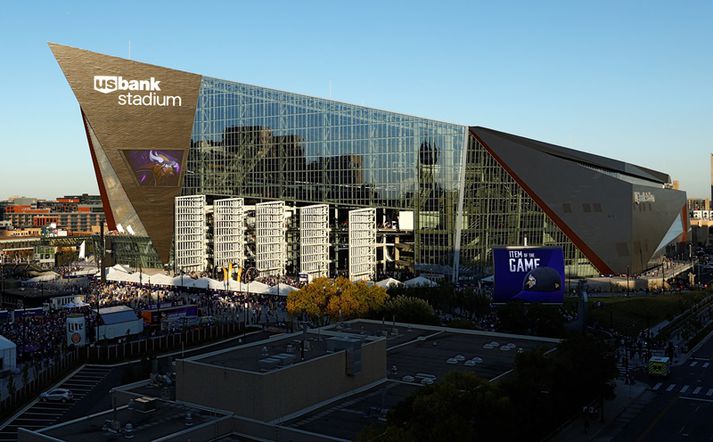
[(40, 414)]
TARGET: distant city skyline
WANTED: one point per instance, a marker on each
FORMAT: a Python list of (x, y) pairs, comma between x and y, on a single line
[(614, 79)]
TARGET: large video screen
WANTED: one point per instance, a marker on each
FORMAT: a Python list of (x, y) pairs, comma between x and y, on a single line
[(155, 167), (530, 274)]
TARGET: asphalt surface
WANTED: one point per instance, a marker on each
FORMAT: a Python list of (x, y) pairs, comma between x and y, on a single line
[(91, 386), (677, 408), (43, 414)]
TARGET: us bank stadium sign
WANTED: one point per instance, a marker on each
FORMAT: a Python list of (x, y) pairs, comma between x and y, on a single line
[(644, 197), (145, 92)]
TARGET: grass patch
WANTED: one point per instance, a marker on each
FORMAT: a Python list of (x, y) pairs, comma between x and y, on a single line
[(630, 315)]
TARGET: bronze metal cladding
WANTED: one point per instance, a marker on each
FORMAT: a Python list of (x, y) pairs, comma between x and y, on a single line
[(158, 123)]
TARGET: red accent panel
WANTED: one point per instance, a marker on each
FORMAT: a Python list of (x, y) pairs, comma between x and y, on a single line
[(581, 245), (102, 190)]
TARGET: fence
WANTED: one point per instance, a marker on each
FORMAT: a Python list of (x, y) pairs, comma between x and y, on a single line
[(46, 375), (51, 372)]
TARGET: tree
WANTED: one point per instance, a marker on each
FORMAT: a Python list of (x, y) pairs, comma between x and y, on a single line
[(410, 309), (595, 366), (337, 299), (513, 317), (460, 407), (545, 320), (311, 300)]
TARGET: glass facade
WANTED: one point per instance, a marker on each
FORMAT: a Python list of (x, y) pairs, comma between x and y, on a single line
[(264, 144)]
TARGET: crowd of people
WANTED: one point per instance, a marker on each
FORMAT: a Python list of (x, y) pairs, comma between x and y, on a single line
[(41, 336)]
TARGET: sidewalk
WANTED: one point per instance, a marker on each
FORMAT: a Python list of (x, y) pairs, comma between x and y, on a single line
[(625, 395)]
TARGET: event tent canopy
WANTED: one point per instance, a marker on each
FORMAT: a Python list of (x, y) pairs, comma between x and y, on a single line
[(49, 276), (284, 290), (388, 283), (161, 279), (420, 281)]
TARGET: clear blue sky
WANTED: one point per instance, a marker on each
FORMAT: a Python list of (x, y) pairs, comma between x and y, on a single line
[(629, 80)]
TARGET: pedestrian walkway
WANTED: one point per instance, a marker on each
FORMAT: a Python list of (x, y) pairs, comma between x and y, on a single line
[(40, 414), (629, 400), (684, 389)]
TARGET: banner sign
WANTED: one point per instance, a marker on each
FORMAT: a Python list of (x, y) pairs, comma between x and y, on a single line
[(531, 274), (76, 331)]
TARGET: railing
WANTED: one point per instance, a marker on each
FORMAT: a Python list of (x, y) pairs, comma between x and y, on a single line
[(55, 369)]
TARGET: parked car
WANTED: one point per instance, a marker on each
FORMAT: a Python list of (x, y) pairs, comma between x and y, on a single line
[(58, 394)]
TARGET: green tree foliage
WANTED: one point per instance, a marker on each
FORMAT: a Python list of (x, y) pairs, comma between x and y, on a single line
[(535, 318), (409, 309), (460, 407), (513, 317), (544, 390), (545, 320)]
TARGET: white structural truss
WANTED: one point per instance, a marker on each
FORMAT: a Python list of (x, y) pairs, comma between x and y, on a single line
[(190, 238), (362, 244), (270, 241), (228, 232), (314, 240)]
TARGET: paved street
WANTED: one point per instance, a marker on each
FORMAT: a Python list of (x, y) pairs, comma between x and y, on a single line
[(677, 408)]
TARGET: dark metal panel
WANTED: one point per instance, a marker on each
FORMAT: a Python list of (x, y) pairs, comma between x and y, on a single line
[(597, 211)]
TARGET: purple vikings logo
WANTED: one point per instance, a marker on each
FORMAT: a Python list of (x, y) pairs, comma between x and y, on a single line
[(155, 168)]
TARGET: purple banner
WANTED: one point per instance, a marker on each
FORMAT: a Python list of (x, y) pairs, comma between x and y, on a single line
[(155, 167)]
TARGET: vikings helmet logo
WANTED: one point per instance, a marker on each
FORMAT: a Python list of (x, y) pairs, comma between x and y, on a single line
[(155, 168)]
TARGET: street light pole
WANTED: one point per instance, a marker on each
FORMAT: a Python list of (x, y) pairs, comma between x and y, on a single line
[(245, 322), (2, 278)]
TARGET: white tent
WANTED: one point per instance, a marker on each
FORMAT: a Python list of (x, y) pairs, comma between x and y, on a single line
[(189, 282), (388, 283), (119, 268), (8, 354), (138, 278), (161, 279), (257, 287), (214, 284), (420, 281), (75, 304), (115, 275), (284, 290), (200, 283), (49, 276), (87, 271)]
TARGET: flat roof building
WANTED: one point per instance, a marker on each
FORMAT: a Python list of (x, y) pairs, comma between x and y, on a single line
[(345, 378), (445, 194)]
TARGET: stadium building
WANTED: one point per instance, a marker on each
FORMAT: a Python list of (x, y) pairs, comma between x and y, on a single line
[(213, 171)]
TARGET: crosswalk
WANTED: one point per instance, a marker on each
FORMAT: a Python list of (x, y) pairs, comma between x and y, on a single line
[(684, 389), (43, 414)]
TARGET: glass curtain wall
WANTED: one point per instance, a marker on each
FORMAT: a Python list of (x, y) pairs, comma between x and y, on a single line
[(265, 144)]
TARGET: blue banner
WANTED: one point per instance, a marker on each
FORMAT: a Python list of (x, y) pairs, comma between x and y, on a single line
[(531, 274)]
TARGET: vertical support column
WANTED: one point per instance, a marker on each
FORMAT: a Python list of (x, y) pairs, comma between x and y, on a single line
[(190, 233), (362, 244), (270, 242), (459, 211), (314, 240)]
